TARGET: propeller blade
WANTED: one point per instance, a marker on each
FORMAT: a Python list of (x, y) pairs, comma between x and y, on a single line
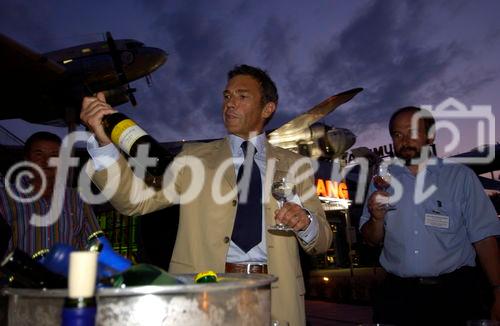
[(116, 57), (132, 98), (118, 64), (130, 93)]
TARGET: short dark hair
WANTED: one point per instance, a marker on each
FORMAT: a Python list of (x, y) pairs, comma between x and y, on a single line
[(268, 88), (426, 116), (41, 135)]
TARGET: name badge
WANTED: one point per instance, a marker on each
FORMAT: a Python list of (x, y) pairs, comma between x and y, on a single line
[(438, 221)]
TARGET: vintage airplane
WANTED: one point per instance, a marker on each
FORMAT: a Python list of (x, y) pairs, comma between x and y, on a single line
[(48, 88)]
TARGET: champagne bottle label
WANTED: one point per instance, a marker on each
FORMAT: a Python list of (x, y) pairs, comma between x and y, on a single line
[(125, 133)]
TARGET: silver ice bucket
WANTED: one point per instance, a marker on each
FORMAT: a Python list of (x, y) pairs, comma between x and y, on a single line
[(238, 299)]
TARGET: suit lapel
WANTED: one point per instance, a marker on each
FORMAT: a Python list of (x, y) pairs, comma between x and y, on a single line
[(222, 155)]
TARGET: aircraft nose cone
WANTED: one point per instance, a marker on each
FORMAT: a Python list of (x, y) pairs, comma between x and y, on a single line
[(156, 57), (145, 61)]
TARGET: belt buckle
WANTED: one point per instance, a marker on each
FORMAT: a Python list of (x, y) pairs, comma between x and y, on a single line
[(249, 267)]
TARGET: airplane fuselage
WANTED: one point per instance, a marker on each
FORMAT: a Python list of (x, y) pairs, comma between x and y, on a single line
[(92, 63), (46, 88)]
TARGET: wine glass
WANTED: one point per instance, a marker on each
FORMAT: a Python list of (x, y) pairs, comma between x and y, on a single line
[(382, 180), (282, 191)]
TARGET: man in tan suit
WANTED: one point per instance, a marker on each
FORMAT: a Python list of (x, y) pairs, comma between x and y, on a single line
[(207, 237)]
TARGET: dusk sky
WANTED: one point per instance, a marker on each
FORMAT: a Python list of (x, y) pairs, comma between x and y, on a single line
[(401, 52)]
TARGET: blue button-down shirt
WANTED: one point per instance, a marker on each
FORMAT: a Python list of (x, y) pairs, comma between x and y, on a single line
[(412, 248)]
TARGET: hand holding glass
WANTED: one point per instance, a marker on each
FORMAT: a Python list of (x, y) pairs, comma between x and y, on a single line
[(382, 181), (282, 191)]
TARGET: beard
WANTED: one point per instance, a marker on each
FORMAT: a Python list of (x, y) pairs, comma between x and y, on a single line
[(407, 152), (411, 155)]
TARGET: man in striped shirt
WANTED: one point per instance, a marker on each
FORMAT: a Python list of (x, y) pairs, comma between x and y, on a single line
[(18, 203), (5, 234)]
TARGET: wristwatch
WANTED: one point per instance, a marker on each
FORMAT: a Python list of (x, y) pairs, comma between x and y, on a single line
[(308, 216)]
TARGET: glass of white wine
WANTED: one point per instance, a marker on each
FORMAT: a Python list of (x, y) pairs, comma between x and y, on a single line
[(382, 180), (283, 191)]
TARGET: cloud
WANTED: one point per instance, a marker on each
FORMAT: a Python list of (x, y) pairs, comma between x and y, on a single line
[(401, 52), (387, 50), (202, 48), (186, 103), (26, 23)]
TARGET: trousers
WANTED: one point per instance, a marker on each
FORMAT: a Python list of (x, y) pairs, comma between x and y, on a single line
[(448, 299)]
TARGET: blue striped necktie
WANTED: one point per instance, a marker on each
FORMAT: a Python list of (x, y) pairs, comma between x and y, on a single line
[(247, 230)]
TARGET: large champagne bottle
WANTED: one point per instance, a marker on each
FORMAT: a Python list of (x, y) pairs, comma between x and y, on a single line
[(23, 272), (55, 259), (141, 275), (117, 271), (127, 135), (80, 305), (110, 262)]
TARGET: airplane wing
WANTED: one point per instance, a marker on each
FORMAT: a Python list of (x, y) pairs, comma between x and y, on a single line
[(18, 62), (26, 76), (306, 119)]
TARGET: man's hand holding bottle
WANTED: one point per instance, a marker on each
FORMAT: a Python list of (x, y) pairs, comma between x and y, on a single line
[(92, 113)]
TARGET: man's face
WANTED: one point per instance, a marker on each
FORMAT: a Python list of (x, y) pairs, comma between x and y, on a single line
[(40, 153), (243, 111), (406, 146)]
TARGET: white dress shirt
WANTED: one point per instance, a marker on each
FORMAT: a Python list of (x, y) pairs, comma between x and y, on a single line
[(105, 156)]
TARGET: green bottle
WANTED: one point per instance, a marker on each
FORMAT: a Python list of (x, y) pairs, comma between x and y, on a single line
[(141, 275)]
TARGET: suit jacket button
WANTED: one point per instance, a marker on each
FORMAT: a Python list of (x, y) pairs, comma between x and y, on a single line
[(226, 239), (235, 202)]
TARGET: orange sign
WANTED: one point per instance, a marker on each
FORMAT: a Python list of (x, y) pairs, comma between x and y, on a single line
[(332, 189)]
